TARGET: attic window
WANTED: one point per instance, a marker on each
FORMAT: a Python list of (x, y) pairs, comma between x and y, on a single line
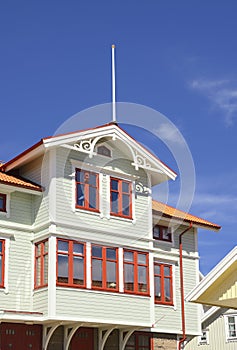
[(104, 151)]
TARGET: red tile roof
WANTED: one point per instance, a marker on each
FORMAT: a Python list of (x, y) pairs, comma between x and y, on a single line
[(171, 212), (18, 181)]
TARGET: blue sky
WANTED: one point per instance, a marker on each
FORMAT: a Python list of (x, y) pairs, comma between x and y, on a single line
[(176, 57)]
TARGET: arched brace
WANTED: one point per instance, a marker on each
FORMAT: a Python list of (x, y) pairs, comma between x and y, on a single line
[(47, 336), (124, 338), (103, 338), (68, 337)]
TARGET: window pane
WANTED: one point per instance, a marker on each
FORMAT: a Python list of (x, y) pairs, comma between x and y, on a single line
[(128, 256), (45, 269), (166, 233), (62, 246), (125, 205), (114, 200), (78, 248), (78, 270), (142, 282), (1, 281), (131, 340), (156, 232), (1, 247), (97, 251), (157, 289), (125, 187), (111, 274), (114, 184), (166, 270), (96, 273), (79, 176), (141, 258), (167, 290), (80, 195), (92, 179), (37, 267), (111, 253), (63, 268), (143, 340), (92, 197), (129, 277), (157, 269)]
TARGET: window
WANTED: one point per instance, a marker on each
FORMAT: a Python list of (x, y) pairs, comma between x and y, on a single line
[(104, 151), (162, 233), (104, 262), (136, 272), (41, 264), (163, 283), (70, 263), (3, 199), (121, 198), (204, 338), (139, 341), (231, 327), (2, 262), (87, 190)]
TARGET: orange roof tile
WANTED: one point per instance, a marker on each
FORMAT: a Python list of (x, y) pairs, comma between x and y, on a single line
[(18, 181), (171, 212)]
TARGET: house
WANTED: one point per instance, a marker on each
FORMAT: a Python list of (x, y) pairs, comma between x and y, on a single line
[(219, 290), (87, 259), (219, 330)]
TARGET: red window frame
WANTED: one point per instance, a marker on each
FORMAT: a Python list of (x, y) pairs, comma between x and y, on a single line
[(70, 254), (162, 232), (163, 279), (40, 259), (121, 195), (134, 342), (3, 198), (2, 260), (137, 287), (83, 182), (104, 260)]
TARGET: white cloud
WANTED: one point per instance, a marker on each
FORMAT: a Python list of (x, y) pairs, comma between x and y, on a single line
[(169, 133), (221, 94)]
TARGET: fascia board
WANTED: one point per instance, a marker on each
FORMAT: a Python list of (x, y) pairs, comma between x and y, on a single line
[(117, 132), (212, 276), (13, 188), (24, 158)]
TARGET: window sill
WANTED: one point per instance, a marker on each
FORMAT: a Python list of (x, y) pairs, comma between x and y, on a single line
[(86, 211), (65, 285), (121, 218)]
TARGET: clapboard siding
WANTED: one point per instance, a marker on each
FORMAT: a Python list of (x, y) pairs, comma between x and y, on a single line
[(103, 307), (40, 301), (19, 273), (217, 335), (33, 170)]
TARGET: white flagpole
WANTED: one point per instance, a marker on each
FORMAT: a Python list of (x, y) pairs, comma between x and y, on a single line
[(113, 85)]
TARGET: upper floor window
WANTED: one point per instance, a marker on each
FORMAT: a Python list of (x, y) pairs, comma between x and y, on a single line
[(232, 327), (162, 233), (41, 264), (70, 263), (2, 261), (163, 283), (136, 272), (104, 151), (104, 262), (121, 198), (3, 199), (87, 190)]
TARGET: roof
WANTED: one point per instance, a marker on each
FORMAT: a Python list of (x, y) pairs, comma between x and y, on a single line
[(18, 181), (173, 213), (219, 286), (142, 158)]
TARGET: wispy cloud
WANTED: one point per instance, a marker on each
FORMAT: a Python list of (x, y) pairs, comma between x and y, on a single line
[(221, 94), (169, 133)]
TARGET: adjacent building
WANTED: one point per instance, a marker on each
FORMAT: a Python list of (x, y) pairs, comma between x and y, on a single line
[(88, 260)]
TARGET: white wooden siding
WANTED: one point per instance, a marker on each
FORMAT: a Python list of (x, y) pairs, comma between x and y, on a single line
[(103, 307)]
